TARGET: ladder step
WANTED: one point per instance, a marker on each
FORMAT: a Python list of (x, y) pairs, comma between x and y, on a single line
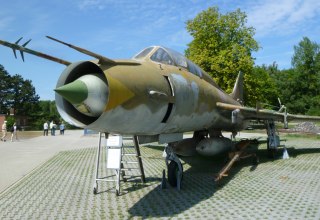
[(129, 169), (129, 154), (135, 172), (129, 162), (130, 147), (131, 178)]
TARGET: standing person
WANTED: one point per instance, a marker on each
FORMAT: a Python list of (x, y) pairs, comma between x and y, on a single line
[(14, 132), (45, 129), (51, 128), (62, 127), (54, 126), (4, 131)]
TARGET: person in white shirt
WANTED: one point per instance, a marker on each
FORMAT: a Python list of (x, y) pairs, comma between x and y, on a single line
[(51, 127), (14, 132), (4, 131), (45, 129)]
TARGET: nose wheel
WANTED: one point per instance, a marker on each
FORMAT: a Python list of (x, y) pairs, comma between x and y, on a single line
[(174, 174), (175, 168)]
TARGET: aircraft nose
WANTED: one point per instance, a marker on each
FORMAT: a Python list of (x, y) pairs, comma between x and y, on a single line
[(88, 94), (75, 92)]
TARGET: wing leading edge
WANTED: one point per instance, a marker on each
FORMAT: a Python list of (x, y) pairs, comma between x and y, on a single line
[(265, 114)]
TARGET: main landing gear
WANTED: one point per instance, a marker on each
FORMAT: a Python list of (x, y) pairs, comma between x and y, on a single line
[(174, 167), (273, 141)]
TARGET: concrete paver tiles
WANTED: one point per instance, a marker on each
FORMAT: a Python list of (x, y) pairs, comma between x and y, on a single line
[(61, 188)]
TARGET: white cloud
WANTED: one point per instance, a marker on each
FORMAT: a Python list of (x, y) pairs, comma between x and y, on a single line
[(306, 10), (88, 4), (281, 17), (179, 39), (5, 22)]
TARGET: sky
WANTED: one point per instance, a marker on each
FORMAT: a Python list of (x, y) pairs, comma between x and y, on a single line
[(122, 28)]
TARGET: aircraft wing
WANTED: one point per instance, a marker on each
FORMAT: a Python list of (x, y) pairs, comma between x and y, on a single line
[(265, 114)]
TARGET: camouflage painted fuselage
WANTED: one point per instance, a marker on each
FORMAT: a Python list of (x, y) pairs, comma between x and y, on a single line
[(148, 98)]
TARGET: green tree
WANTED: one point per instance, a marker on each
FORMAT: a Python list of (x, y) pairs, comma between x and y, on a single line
[(261, 87), (4, 90), (23, 97), (284, 81), (306, 64), (299, 87), (222, 45), (47, 112), (10, 121), (19, 94)]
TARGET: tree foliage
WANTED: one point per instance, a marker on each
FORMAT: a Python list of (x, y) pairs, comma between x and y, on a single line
[(23, 97), (10, 121), (299, 87), (306, 63), (20, 94), (222, 45), (261, 88), (4, 90), (17, 93), (47, 111)]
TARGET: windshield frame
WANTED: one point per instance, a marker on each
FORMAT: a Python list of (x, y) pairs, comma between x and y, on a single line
[(143, 53), (176, 59)]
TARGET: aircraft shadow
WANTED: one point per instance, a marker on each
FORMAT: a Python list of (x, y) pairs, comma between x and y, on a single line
[(198, 183)]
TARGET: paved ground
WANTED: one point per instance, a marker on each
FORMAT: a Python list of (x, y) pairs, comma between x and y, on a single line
[(18, 158), (61, 188)]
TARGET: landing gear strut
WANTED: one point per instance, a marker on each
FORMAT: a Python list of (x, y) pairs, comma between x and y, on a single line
[(273, 140)]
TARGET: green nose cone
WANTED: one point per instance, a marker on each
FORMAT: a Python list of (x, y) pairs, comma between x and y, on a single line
[(75, 92)]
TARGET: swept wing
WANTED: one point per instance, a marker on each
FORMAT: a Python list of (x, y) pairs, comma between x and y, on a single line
[(264, 114)]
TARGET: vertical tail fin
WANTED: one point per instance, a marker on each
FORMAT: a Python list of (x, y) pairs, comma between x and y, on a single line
[(237, 92)]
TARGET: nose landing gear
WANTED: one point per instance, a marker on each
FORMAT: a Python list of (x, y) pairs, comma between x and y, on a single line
[(174, 167)]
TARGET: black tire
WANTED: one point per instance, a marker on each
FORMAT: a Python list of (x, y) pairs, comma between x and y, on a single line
[(255, 160), (271, 151), (173, 173), (173, 170)]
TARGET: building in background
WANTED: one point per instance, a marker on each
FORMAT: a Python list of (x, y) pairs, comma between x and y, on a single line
[(2, 119)]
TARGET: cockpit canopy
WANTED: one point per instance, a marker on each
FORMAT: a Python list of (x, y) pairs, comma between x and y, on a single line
[(169, 57)]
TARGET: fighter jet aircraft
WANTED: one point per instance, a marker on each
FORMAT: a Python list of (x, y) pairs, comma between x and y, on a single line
[(157, 95)]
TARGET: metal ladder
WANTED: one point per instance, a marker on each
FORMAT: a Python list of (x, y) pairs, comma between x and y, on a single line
[(129, 158), (119, 159)]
